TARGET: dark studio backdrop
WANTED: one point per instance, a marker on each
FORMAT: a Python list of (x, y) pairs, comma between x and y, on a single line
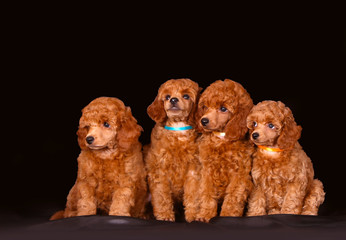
[(57, 66)]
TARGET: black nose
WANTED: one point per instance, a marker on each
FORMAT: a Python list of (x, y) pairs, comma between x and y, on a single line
[(90, 139), (204, 121), (255, 135), (174, 100)]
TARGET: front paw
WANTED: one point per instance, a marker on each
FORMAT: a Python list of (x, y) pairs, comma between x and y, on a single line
[(119, 213), (288, 211), (257, 213), (312, 212), (203, 219), (84, 212), (231, 212), (190, 215), (274, 211), (169, 217), (190, 218), (205, 216)]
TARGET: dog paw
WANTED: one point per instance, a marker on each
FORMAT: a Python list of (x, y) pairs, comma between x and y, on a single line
[(253, 214), (190, 216), (119, 213), (202, 219), (165, 216), (274, 211), (309, 212), (189, 219), (167, 219)]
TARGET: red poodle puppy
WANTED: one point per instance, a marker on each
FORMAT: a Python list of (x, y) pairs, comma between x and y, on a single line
[(224, 152), (283, 174), (171, 158), (111, 173)]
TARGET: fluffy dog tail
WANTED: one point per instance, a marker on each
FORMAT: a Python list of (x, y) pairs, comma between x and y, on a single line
[(57, 215)]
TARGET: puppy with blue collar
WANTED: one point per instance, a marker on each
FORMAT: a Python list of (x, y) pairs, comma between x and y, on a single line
[(171, 158)]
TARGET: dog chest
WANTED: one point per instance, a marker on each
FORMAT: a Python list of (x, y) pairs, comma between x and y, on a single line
[(176, 164), (273, 176), (107, 175)]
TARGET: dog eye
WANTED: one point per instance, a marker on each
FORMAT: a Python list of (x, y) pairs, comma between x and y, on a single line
[(186, 96), (223, 109), (255, 124), (271, 126), (106, 124), (168, 97)]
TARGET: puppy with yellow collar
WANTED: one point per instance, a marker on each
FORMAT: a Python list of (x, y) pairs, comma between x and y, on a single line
[(282, 173)]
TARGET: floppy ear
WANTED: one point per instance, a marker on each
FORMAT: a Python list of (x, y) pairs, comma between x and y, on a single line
[(128, 131), (192, 117), (156, 111), (199, 113), (236, 128), (82, 133), (290, 132)]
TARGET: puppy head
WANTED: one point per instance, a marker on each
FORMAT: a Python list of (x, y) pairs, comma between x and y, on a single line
[(223, 107), (176, 100), (107, 124), (272, 124)]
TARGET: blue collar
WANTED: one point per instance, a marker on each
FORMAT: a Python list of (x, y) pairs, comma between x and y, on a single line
[(178, 128)]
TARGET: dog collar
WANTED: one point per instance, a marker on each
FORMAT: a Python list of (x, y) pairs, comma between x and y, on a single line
[(220, 134), (178, 128), (270, 149)]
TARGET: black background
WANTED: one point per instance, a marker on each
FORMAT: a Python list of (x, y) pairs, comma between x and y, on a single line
[(56, 62)]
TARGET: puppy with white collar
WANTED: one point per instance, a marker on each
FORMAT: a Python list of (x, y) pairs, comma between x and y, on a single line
[(224, 151)]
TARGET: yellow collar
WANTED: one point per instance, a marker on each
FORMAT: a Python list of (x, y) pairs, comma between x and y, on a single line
[(270, 149), (220, 134)]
